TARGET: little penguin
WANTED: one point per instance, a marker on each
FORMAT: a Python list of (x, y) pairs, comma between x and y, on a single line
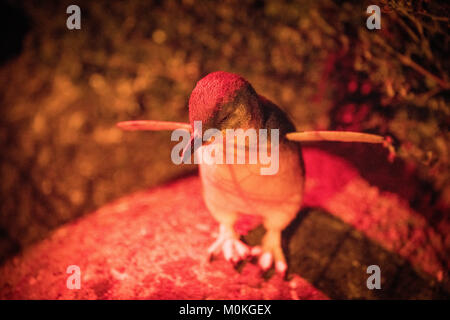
[(223, 100)]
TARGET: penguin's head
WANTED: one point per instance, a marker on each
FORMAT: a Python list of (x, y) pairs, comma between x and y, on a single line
[(224, 100)]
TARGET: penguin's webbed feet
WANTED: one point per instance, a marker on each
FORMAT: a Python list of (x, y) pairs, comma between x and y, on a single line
[(270, 253), (233, 249), (267, 259)]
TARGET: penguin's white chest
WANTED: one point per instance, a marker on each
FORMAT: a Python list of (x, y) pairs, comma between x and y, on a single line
[(242, 188)]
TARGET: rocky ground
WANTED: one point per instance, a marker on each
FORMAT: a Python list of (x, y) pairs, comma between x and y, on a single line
[(152, 245)]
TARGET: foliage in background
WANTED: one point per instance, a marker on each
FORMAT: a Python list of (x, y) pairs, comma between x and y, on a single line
[(406, 65)]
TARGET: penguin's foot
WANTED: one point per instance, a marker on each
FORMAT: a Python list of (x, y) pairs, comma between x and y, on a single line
[(271, 253), (232, 248), (267, 258)]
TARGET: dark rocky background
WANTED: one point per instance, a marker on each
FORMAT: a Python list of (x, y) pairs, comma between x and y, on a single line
[(62, 92)]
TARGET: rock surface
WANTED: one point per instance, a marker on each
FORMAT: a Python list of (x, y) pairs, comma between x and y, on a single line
[(152, 245)]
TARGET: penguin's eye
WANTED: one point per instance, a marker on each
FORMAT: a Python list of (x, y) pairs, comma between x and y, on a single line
[(225, 118)]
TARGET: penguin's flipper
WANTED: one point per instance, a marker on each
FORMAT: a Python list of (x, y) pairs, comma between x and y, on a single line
[(343, 136), (153, 125)]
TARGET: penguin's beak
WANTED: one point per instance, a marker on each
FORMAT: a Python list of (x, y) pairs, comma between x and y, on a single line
[(191, 147)]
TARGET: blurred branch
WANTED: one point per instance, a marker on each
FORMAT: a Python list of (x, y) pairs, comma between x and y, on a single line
[(407, 61), (445, 19)]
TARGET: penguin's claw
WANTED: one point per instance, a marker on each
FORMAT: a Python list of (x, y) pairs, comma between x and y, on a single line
[(215, 248), (281, 267), (256, 251), (266, 260)]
